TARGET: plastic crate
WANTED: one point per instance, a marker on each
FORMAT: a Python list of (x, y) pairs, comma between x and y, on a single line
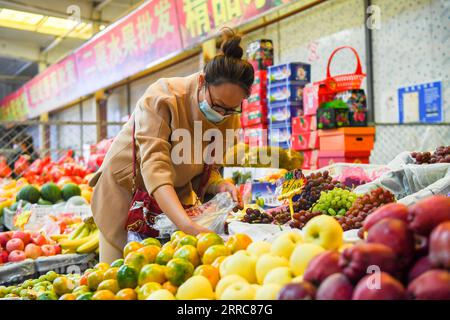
[(17, 272)]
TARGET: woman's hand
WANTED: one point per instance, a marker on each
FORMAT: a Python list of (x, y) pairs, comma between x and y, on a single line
[(227, 186), (193, 228)]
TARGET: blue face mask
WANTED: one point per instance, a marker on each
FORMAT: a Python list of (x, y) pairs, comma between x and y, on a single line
[(210, 113)]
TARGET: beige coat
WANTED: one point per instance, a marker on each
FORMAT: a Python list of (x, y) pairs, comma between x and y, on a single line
[(166, 105)]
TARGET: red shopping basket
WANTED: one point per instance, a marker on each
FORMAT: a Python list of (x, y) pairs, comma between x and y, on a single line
[(333, 84)]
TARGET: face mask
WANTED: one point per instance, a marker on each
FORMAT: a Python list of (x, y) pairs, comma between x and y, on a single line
[(209, 112)]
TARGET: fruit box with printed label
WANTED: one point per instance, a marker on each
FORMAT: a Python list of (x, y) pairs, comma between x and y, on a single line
[(285, 92), (259, 90), (304, 123), (260, 49), (264, 194), (253, 115), (305, 140), (330, 118), (310, 159), (280, 134), (330, 157), (260, 78), (294, 71), (256, 135), (283, 112)]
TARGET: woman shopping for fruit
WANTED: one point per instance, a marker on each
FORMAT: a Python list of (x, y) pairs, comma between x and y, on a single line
[(140, 164)]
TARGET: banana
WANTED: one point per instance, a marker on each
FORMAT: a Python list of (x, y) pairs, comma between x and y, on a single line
[(67, 251), (84, 232), (75, 243), (77, 231), (59, 237), (91, 245)]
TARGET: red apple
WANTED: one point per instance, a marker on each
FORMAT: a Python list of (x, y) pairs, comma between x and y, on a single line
[(335, 287), (421, 266), (395, 234), (431, 285), (321, 266), (297, 291), (356, 261), (439, 253), (390, 210), (48, 250), (57, 249), (4, 238), (14, 244), (3, 256), (33, 251), (16, 256), (24, 236), (39, 239), (379, 286), (428, 213)]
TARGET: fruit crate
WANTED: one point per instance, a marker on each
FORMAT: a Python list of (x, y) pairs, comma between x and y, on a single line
[(65, 263), (17, 272)]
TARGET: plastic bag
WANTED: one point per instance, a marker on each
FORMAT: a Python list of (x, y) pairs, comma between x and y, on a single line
[(211, 215)]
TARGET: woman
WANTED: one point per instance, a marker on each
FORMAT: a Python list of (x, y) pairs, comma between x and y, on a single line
[(213, 98)]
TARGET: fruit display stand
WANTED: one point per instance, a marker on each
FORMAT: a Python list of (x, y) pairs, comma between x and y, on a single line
[(65, 263), (17, 272)]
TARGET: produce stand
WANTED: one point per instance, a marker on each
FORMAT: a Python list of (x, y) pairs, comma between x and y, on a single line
[(14, 273), (65, 263)]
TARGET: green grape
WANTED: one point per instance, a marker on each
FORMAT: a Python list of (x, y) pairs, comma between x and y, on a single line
[(334, 202)]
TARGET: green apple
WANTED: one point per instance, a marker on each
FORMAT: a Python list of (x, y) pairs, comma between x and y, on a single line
[(258, 248), (302, 255), (285, 244), (226, 281), (241, 263), (239, 291), (324, 231), (280, 276), (267, 262), (268, 292)]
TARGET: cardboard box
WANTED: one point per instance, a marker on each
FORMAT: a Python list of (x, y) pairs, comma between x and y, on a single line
[(258, 89), (284, 92), (256, 135), (304, 123), (280, 134), (284, 112), (310, 159), (294, 71), (253, 115), (329, 118), (310, 99), (305, 140), (260, 78), (260, 54), (330, 157), (347, 139)]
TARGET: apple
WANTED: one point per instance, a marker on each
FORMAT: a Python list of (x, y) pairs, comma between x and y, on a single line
[(38, 239), (268, 291), (390, 210), (322, 266), (324, 231), (395, 234), (379, 286), (24, 236), (259, 248), (226, 281), (14, 244), (356, 261), (48, 250), (421, 245), (239, 291), (16, 256), (267, 262), (439, 252), (428, 213), (196, 287), (33, 251), (422, 265), (302, 255), (431, 285), (241, 263), (3, 256), (280, 275), (285, 243), (335, 287), (4, 238), (297, 291), (57, 249)]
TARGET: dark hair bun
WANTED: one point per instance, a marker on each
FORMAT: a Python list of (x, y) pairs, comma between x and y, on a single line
[(231, 44)]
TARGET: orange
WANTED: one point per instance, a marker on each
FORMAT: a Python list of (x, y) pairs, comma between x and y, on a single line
[(152, 273), (238, 242), (111, 273), (104, 295), (188, 253), (188, 239), (177, 235), (178, 271), (63, 285), (84, 277), (169, 286), (206, 241), (131, 246), (110, 284), (168, 245), (147, 289), (213, 252), (201, 234), (149, 252), (80, 290), (103, 266), (127, 277), (126, 294), (135, 260), (94, 279), (165, 255), (209, 272), (151, 241), (218, 261), (68, 296)]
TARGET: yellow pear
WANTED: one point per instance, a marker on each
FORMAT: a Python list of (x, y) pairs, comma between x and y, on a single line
[(226, 281), (240, 263), (302, 255), (258, 248), (280, 276), (161, 294), (324, 231), (239, 291), (268, 291), (196, 287), (267, 262), (285, 244)]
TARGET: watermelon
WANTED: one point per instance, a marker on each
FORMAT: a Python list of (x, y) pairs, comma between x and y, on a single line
[(70, 190), (50, 192), (29, 193), (43, 202)]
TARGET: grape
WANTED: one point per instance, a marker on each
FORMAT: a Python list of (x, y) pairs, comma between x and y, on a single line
[(256, 216), (301, 218), (334, 202), (440, 155)]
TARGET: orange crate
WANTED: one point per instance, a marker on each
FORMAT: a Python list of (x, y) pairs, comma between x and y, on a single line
[(347, 139)]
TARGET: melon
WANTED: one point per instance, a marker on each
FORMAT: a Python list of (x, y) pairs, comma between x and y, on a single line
[(70, 190), (50, 192), (77, 201), (43, 202), (29, 193)]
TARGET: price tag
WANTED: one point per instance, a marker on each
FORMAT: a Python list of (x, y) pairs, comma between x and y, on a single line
[(293, 180)]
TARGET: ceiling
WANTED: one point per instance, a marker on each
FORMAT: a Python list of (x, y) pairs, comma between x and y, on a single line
[(37, 33)]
